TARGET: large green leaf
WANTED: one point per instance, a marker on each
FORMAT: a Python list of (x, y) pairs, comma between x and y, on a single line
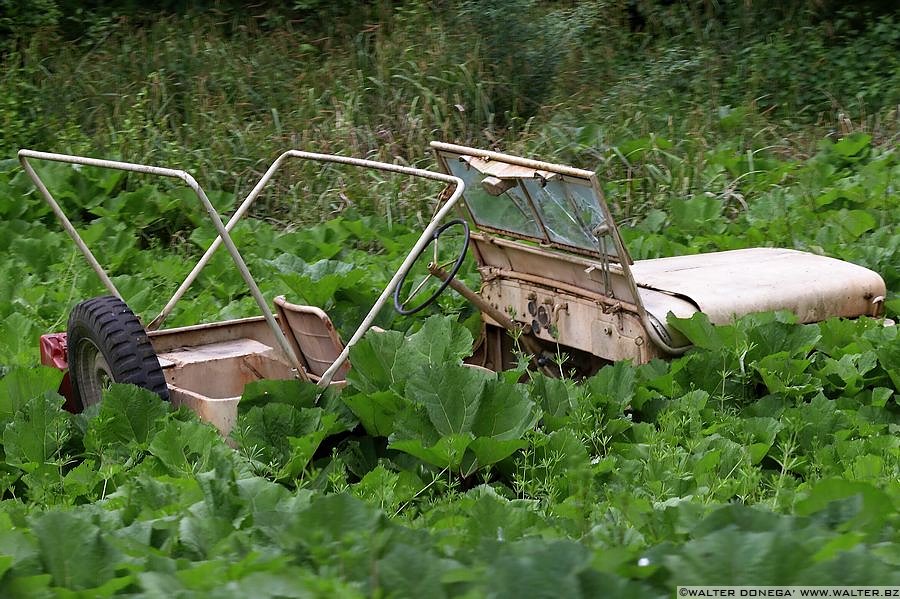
[(780, 336), (388, 489), (266, 431), (505, 412), (185, 447), (870, 516), (531, 568), (851, 145), (732, 557), (448, 452), (412, 571), (552, 396), (490, 450), (493, 515), (698, 330), (856, 222), (613, 385), (760, 432), (209, 522), (376, 411), (303, 448), (19, 543), (697, 215), (22, 384), (316, 283), (374, 359), (38, 432), (129, 416), (299, 394), (379, 362), (782, 374), (853, 564), (440, 340), (451, 395), (74, 549), (850, 371), (331, 519)]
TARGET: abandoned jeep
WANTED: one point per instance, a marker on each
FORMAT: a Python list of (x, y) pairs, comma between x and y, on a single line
[(553, 270)]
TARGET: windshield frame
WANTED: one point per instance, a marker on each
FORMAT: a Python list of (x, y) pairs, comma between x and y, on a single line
[(608, 244)]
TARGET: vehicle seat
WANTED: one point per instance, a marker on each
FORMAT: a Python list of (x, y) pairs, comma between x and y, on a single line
[(313, 337)]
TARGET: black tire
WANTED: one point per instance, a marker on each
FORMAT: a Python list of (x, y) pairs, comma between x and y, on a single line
[(107, 343)]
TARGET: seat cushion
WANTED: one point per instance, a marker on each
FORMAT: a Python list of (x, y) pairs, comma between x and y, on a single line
[(725, 285), (312, 335)]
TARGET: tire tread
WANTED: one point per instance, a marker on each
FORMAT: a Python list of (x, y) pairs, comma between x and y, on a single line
[(111, 325)]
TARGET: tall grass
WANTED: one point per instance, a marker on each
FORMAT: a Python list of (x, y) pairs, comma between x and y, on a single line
[(221, 96), (185, 93)]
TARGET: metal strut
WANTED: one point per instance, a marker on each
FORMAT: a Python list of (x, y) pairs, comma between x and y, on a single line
[(224, 236)]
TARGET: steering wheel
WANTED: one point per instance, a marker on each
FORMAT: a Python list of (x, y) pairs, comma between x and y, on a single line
[(402, 306)]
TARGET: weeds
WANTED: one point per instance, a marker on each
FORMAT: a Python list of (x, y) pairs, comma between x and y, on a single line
[(654, 110)]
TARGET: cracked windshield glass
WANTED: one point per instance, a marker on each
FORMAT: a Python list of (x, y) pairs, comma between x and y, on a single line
[(560, 210)]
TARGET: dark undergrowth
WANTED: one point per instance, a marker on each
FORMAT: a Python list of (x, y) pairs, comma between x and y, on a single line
[(642, 91)]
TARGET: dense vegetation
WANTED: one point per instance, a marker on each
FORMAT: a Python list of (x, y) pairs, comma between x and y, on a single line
[(768, 455), (221, 92)]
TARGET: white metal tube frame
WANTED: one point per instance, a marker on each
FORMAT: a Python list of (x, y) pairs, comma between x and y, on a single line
[(423, 240), (223, 231), (189, 180)]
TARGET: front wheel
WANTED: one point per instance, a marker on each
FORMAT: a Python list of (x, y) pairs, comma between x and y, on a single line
[(107, 344)]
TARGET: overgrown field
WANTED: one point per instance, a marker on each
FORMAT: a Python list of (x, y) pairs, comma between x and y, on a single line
[(769, 454)]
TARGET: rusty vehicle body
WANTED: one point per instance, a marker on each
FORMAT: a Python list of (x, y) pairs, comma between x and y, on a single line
[(550, 255), (553, 267)]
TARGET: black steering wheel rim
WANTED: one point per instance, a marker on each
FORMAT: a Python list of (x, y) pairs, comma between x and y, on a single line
[(398, 305)]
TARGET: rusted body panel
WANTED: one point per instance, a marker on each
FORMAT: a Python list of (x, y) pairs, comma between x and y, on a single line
[(569, 269), (573, 264), (207, 366), (222, 369), (255, 327), (724, 285), (221, 412), (572, 321)]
